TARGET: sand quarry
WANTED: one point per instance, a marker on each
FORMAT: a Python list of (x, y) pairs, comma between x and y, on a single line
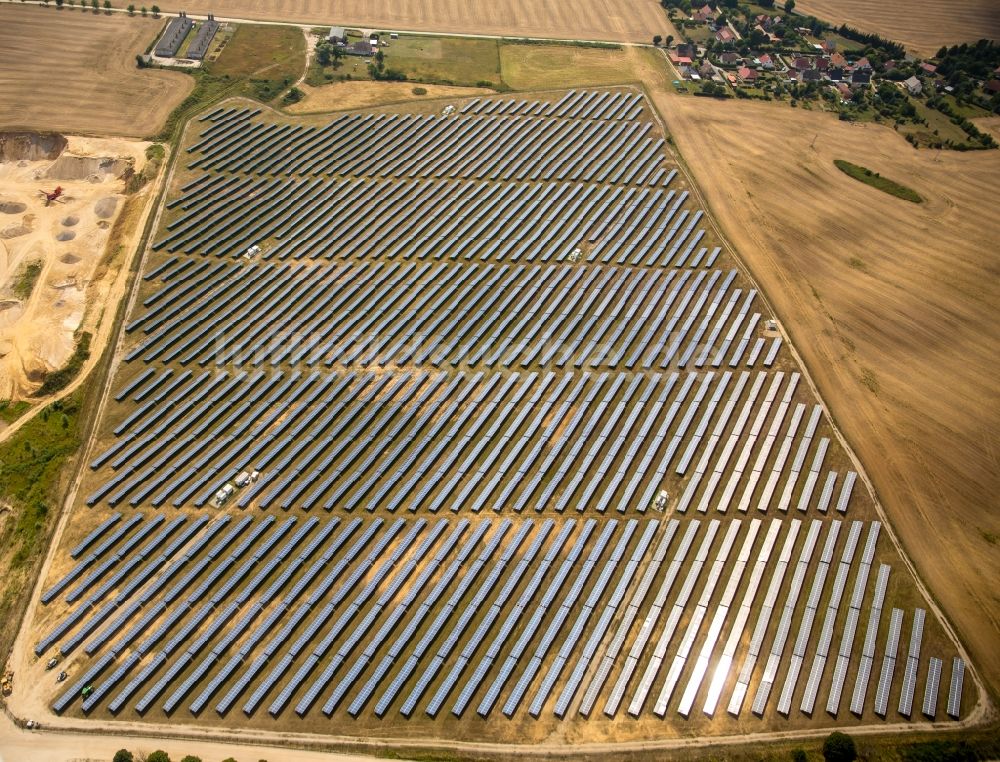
[(67, 237)]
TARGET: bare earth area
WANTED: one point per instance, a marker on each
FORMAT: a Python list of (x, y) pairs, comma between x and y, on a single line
[(921, 25), (893, 306), (72, 71), (343, 96), (67, 239), (617, 20)]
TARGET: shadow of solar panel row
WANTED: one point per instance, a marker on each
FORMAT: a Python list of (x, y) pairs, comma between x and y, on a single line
[(440, 220), (381, 145), (510, 316)]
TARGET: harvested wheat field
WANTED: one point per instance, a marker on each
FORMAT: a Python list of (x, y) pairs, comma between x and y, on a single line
[(921, 25), (616, 20), (72, 71), (892, 305), (342, 96)]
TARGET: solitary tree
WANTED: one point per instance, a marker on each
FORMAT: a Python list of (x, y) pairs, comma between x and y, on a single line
[(839, 747), (670, 40), (107, 5), (95, 5), (789, 6), (123, 755), (657, 39), (143, 11), (131, 9), (156, 10), (158, 756), (59, 3)]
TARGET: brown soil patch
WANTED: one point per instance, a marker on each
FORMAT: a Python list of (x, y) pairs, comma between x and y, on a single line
[(39, 337), (75, 72), (618, 20), (12, 207), (342, 96), (903, 349), (921, 25)]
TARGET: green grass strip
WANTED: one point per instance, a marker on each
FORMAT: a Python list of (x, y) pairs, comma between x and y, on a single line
[(875, 180)]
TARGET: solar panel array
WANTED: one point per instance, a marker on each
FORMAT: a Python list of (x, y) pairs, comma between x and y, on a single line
[(515, 307), (347, 615)]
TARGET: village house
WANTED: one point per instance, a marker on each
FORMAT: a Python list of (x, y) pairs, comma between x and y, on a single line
[(746, 74), (725, 35), (914, 85), (705, 13)]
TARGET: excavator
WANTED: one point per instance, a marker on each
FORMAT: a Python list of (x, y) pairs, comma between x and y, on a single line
[(53, 196)]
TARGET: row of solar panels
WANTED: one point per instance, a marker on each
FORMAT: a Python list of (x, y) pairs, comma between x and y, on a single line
[(306, 436), (385, 572), (565, 316), (544, 222), (594, 104), (429, 146)]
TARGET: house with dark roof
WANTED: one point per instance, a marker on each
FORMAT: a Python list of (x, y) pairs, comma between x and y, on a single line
[(861, 77), (812, 75), (729, 58)]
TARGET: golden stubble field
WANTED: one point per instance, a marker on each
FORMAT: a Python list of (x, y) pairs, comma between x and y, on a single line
[(616, 20), (921, 25), (892, 305), (72, 71)]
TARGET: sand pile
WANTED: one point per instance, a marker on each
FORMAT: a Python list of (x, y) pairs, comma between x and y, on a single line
[(66, 235), (69, 259), (30, 146), (11, 207), (70, 221), (94, 169), (105, 208)]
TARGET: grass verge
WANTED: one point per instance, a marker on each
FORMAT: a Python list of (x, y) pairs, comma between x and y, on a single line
[(875, 180), (26, 279), (32, 463)]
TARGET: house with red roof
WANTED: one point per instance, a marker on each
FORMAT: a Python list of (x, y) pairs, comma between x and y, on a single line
[(725, 35)]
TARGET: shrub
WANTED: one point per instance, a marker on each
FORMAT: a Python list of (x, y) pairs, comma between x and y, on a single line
[(191, 758), (123, 755), (839, 747), (799, 755), (158, 756), (420, 91)]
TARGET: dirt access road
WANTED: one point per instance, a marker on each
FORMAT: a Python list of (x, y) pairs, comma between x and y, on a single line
[(893, 307)]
